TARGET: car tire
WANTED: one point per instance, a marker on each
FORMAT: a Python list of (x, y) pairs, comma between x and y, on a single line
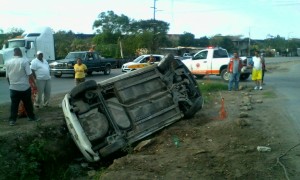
[(82, 87), (225, 75), (107, 70), (194, 108), (89, 73)]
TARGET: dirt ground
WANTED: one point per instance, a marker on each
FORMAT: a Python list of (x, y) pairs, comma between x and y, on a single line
[(220, 142)]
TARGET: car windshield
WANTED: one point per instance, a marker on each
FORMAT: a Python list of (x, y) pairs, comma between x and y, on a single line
[(75, 56), (138, 59)]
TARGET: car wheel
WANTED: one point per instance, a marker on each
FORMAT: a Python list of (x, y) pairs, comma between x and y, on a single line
[(89, 72), (107, 70), (82, 87), (225, 75), (197, 105), (194, 95), (244, 77)]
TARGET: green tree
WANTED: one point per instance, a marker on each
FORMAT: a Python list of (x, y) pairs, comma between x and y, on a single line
[(187, 39), (12, 33), (202, 42), (63, 40), (153, 31), (113, 29), (222, 41), (111, 22), (106, 43)]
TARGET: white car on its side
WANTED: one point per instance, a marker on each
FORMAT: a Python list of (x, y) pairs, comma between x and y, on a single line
[(139, 61)]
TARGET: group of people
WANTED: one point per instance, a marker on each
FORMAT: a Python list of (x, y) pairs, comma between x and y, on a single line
[(30, 84), (235, 66), (23, 78)]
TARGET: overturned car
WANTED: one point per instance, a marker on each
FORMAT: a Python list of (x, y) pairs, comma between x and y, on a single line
[(107, 116)]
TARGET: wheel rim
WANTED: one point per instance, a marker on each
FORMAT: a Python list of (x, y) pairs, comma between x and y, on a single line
[(226, 76)]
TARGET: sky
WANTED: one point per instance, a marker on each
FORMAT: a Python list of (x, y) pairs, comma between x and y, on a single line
[(257, 19)]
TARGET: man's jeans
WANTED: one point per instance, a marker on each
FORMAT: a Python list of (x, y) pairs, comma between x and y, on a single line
[(16, 97), (234, 78)]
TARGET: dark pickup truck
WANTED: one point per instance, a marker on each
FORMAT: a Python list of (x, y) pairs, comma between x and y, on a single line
[(92, 60)]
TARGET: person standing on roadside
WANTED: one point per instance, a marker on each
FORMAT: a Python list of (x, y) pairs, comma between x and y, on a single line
[(41, 71), (18, 73), (80, 69), (257, 71), (263, 68), (234, 69)]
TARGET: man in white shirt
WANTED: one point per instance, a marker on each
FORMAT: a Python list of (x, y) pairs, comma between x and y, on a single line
[(41, 71), (257, 71), (18, 74)]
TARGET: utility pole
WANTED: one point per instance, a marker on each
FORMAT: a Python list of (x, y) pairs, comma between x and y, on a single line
[(154, 9), (153, 48), (249, 43)]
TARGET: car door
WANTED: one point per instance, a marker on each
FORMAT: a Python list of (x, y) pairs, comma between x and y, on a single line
[(200, 63), (89, 61)]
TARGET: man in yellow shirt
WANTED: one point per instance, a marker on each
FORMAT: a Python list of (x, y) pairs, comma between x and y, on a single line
[(80, 70)]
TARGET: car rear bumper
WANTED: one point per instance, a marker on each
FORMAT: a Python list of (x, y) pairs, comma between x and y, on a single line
[(77, 132)]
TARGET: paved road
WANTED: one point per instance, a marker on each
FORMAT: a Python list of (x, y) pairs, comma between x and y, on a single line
[(287, 84), (59, 85)]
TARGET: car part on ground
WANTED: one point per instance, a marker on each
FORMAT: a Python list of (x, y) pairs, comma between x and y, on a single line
[(107, 116)]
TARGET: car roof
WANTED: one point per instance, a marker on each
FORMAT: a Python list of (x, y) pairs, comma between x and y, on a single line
[(146, 55)]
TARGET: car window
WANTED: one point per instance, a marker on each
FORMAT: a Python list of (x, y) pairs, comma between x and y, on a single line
[(157, 58), (201, 55), (138, 59), (220, 53), (146, 59)]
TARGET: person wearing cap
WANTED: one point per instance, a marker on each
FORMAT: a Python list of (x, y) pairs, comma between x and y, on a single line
[(41, 71), (18, 74)]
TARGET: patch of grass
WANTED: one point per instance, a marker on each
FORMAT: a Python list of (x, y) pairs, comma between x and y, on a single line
[(210, 87), (269, 94)]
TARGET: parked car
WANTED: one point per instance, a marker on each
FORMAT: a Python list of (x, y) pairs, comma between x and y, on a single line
[(140, 60), (104, 117)]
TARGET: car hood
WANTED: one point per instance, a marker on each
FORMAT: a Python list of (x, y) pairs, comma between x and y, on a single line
[(63, 61), (130, 63)]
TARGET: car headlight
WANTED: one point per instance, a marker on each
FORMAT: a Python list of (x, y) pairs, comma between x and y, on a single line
[(70, 65)]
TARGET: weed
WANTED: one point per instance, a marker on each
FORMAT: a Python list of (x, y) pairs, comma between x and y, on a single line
[(212, 87), (269, 94), (208, 88)]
